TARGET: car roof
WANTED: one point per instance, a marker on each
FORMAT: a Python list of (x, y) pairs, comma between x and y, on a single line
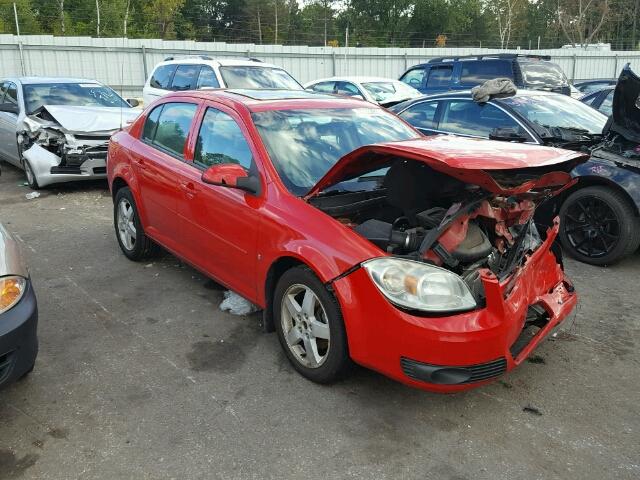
[(355, 78), (273, 99), (222, 61), (37, 80)]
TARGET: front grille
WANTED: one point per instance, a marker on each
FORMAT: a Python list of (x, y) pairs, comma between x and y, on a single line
[(452, 374), (5, 365)]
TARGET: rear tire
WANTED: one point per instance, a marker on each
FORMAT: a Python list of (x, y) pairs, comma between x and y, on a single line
[(129, 232), (598, 226), (309, 325)]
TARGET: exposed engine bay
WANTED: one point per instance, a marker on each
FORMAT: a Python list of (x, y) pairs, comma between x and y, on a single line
[(421, 214), (68, 140)]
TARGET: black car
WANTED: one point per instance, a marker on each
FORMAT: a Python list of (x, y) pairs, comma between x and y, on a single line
[(601, 100), (18, 314), (460, 73), (590, 86), (600, 214)]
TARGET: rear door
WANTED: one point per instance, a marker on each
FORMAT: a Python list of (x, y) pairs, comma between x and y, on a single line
[(220, 225), (185, 78), (157, 159)]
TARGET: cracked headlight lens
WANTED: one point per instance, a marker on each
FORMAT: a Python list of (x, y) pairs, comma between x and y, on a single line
[(419, 286), (11, 290)]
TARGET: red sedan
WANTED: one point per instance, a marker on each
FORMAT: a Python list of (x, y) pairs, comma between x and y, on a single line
[(362, 241)]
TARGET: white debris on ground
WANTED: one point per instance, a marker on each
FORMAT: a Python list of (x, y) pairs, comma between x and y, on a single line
[(31, 195), (237, 305)]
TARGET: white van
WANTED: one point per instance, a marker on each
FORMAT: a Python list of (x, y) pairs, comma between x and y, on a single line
[(193, 72)]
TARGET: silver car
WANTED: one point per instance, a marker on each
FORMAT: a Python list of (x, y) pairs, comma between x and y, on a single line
[(18, 313), (58, 129)]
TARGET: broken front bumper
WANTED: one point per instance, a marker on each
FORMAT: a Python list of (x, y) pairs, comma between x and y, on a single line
[(49, 168), (457, 352)]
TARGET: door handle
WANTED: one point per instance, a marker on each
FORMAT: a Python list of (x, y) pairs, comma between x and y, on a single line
[(189, 189)]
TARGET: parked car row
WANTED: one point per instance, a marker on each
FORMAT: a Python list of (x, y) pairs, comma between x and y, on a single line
[(363, 233)]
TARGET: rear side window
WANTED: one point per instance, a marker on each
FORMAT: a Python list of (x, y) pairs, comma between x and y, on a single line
[(220, 140), (421, 115), (169, 127), (476, 72), (439, 77), (207, 78), (185, 77), (347, 88), (11, 95), (414, 77), (161, 77)]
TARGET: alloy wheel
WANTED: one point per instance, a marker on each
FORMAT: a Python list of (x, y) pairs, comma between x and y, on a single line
[(126, 224), (305, 326), (592, 227)]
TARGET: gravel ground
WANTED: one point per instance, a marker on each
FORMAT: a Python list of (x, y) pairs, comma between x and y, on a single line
[(140, 375)]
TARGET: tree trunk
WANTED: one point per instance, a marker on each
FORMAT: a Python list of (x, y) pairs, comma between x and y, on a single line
[(98, 18), (62, 15), (126, 18), (259, 26)]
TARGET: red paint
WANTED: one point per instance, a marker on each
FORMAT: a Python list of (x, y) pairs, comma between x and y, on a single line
[(236, 237)]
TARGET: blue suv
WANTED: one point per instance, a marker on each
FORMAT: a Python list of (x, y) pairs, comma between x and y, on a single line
[(442, 74)]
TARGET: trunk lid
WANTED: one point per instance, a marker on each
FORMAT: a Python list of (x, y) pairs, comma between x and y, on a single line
[(625, 119), (498, 167)]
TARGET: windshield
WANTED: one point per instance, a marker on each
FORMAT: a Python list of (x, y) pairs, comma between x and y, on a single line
[(543, 75), (73, 94), (557, 111), (240, 76), (305, 144)]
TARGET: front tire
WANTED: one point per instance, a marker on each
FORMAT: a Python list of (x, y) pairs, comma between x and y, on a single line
[(32, 181), (309, 325), (131, 237), (598, 226)]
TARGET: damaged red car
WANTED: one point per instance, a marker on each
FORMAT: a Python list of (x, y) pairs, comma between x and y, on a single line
[(361, 241)]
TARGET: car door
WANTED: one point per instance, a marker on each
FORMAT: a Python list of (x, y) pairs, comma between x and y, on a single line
[(415, 78), (219, 224), (438, 79), (8, 124), (423, 116), (159, 155), (185, 78), (467, 118), (207, 78)]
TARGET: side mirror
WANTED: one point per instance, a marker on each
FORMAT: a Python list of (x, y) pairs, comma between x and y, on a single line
[(231, 175), (507, 135), (134, 102), (9, 108)]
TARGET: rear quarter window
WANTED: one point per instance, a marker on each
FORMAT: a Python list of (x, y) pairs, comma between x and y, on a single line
[(475, 72), (161, 77)]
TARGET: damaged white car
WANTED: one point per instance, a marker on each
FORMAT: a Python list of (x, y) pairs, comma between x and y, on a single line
[(58, 129)]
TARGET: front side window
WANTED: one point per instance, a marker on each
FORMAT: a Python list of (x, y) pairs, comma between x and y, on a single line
[(475, 72), (254, 77), (185, 77), (414, 77), (348, 89), (606, 106), (220, 140), (466, 117), (439, 77), (161, 77), (72, 94), (324, 87), (207, 78), (169, 128), (304, 144), (11, 95), (421, 115)]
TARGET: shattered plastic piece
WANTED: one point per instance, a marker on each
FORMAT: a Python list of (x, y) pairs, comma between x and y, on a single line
[(237, 305), (31, 195)]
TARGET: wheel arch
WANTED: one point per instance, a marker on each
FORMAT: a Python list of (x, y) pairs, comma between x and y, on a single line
[(598, 181)]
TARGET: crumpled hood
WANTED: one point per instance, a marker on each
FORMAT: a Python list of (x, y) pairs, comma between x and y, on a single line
[(91, 119), (625, 119), (498, 167)]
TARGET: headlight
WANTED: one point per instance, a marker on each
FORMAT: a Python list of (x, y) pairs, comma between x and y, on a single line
[(420, 286), (11, 290)]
